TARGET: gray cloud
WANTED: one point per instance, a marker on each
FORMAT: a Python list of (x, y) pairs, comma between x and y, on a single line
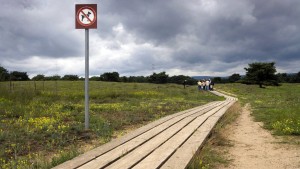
[(133, 36), (228, 31), (36, 28)]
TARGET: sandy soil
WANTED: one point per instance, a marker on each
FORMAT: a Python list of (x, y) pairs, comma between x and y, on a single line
[(255, 148)]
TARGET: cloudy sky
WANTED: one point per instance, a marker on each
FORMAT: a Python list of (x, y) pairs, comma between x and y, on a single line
[(139, 37)]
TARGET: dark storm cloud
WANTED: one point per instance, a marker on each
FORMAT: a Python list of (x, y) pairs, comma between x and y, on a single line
[(36, 28), (139, 36), (226, 30), (156, 21)]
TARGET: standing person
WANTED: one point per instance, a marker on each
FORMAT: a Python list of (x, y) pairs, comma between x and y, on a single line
[(212, 85), (207, 85), (199, 85), (184, 83)]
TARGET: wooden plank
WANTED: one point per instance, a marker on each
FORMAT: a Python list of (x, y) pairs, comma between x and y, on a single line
[(182, 156), (153, 145), (156, 158), (92, 154), (123, 149), (138, 154)]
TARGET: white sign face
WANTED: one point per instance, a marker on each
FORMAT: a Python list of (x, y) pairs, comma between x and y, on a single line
[(86, 16)]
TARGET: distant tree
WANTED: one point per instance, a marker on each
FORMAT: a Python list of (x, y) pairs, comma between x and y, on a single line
[(179, 79), (70, 77), (110, 76), (288, 78), (295, 78), (217, 80), (54, 77), (191, 81), (4, 75), (137, 79), (38, 77), (123, 79), (261, 74), (19, 76), (234, 77), (283, 77), (95, 78), (161, 78), (131, 79), (298, 77)]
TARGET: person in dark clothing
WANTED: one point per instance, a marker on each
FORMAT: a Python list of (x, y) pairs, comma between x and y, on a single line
[(212, 85), (184, 83)]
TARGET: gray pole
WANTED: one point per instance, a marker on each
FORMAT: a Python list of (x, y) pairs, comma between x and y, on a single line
[(86, 79)]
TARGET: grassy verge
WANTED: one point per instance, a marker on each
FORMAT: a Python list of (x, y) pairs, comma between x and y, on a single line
[(277, 107), (42, 123), (213, 153)]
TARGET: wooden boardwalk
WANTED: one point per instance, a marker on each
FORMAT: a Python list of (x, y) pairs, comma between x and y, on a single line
[(169, 142)]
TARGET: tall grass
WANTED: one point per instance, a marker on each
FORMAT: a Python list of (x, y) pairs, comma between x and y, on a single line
[(42, 123)]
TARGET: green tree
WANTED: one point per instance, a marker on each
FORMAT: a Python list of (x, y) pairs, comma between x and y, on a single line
[(179, 79), (54, 77), (110, 76), (295, 78), (217, 80), (261, 74), (138, 79), (4, 75), (95, 78), (19, 76), (234, 77), (298, 77), (39, 77), (161, 78), (70, 77)]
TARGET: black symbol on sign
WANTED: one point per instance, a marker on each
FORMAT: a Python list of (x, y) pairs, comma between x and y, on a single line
[(83, 16)]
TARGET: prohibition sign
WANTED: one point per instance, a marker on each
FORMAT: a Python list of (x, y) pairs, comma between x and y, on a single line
[(86, 16)]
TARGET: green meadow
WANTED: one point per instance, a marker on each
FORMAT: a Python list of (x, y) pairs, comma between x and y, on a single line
[(277, 107), (42, 123)]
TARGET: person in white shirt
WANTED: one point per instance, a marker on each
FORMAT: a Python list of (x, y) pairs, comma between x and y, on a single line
[(207, 84), (199, 85)]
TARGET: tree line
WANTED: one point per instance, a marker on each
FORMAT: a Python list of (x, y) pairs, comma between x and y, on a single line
[(14, 75), (159, 78), (261, 74), (256, 73)]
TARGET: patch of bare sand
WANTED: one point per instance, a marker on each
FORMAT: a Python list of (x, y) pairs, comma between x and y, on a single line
[(255, 148)]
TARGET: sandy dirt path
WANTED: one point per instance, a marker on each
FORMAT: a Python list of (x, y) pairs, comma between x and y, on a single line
[(255, 148)]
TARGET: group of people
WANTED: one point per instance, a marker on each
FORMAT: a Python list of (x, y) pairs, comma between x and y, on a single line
[(205, 84)]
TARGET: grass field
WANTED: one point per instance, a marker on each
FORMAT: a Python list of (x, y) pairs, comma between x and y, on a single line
[(277, 107), (42, 123)]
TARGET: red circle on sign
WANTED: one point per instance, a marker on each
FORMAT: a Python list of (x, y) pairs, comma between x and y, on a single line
[(81, 11)]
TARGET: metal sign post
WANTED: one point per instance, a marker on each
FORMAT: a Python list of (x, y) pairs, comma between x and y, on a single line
[(86, 84), (86, 18)]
